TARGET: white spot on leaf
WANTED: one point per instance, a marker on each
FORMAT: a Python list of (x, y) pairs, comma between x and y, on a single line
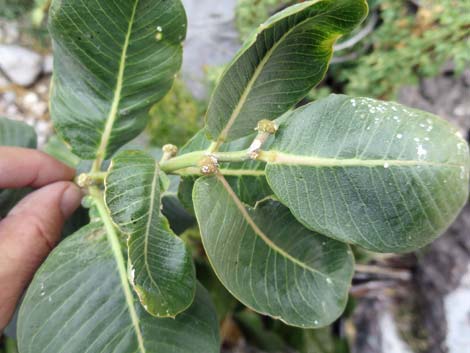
[(421, 152)]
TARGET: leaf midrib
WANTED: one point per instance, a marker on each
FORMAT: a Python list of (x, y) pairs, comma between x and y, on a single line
[(115, 246), (147, 228), (260, 233), (246, 92), (111, 119), (281, 158)]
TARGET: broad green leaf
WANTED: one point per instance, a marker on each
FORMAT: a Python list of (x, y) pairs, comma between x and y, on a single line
[(279, 64), (17, 134), (268, 260), (371, 173), (112, 61), (76, 304), (160, 266)]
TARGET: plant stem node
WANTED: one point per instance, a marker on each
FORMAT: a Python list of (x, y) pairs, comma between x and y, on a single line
[(267, 126), (209, 165), (84, 180), (170, 149)]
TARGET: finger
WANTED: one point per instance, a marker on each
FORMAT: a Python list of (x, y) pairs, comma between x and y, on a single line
[(21, 167), (27, 235)]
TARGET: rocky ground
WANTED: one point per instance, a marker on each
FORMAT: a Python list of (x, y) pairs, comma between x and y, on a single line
[(421, 305), (24, 80)]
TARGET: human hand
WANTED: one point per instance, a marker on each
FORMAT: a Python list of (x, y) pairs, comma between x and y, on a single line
[(33, 227)]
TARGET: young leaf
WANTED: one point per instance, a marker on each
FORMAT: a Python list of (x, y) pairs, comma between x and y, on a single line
[(160, 265), (112, 61), (371, 173), (268, 260), (279, 64), (76, 304)]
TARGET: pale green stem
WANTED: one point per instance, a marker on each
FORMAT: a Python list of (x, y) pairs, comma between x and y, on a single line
[(227, 172), (89, 179), (98, 176), (96, 166), (214, 146), (113, 239), (238, 156), (191, 160), (182, 162)]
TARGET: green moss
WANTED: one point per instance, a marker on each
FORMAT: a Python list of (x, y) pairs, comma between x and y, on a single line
[(411, 44), (176, 118), (250, 13), (12, 9)]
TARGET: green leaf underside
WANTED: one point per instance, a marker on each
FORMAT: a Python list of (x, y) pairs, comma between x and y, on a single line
[(16, 134), (371, 173), (250, 187), (113, 60), (279, 64), (76, 304), (269, 261), (160, 266)]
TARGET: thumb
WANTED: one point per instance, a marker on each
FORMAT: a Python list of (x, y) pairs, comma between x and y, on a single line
[(27, 235)]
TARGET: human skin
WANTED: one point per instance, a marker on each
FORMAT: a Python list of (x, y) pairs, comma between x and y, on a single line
[(33, 227)]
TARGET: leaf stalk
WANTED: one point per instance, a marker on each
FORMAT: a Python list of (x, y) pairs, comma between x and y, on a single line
[(115, 244), (193, 159)]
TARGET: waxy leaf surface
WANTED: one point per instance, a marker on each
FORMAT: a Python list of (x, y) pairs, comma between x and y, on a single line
[(268, 260), (112, 61), (371, 173), (281, 61), (160, 265), (76, 304)]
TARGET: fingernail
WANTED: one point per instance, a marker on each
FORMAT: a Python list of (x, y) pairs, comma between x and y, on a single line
[(70, 200)]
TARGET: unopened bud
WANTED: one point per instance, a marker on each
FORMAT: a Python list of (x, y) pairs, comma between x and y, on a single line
[(267, 126), (209, 165), (84, 180), (170, 149)]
